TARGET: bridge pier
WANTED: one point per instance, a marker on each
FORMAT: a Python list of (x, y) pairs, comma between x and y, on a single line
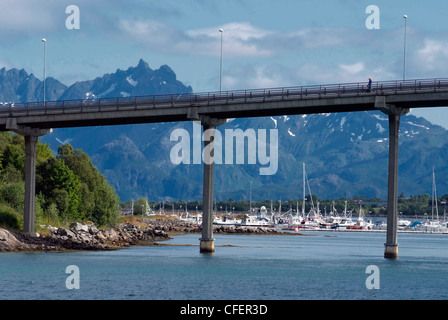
[(30, 185), (394, 113), (207, 242), (31, 138)]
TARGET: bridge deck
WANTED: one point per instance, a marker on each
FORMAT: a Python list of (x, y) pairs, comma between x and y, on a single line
[(227, 104)]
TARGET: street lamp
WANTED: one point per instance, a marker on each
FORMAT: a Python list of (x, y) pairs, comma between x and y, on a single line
[(220, 68), (404, 51), (45, 42)]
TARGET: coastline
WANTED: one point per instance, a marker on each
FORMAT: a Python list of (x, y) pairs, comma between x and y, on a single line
[(79, 237)]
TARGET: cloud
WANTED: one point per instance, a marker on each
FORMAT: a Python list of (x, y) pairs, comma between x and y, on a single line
[(433, 55), (26, 16), (250, 76), (237, 38), (240, 39)]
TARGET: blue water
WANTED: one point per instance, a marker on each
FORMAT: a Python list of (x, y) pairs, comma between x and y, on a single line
[(322, 265)]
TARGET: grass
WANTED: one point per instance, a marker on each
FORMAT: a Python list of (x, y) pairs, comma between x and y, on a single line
[(9, 218)]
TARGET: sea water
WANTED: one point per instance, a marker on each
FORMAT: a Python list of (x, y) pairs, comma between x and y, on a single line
[(317, 265)]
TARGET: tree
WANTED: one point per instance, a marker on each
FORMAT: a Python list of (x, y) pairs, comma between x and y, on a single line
[(59, 184), (99, 200), (14, 155)]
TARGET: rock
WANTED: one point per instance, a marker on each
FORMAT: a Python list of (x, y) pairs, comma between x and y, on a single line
[(9, 242), (93, 230), (66, 232), (76, 226)]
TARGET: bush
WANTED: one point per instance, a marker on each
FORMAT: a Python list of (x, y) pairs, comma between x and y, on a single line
[(13, 193), (9, 218)]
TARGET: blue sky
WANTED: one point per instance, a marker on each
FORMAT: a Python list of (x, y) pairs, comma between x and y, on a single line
[(265, 43)]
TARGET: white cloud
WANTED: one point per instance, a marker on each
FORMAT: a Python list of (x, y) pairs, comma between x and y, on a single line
[(237, 38), (27, 16), (353, 68), (240, 39), (275, 75), (434, 54)]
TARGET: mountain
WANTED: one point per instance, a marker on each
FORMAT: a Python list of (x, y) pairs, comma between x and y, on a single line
[(135, 81), (346, 154), (19, 86)]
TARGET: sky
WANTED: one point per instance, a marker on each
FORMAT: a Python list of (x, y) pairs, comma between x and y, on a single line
[(265, 43)]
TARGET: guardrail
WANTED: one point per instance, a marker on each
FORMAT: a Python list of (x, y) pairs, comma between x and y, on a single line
[(223, 97)]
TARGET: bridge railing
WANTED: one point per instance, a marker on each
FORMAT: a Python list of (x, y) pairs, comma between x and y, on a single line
[(222, 97)]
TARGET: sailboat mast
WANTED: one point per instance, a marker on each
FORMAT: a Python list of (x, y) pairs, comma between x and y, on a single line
[(434, 196), (303, 203), (345, 209)]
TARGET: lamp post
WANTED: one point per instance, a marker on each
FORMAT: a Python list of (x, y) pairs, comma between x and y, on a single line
[(220, 66), (45, 42), (404, 50)]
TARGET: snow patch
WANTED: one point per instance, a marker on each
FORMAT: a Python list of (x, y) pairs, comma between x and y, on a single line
[(290, 133), (380, 117), (125, 94), (380, 128), (342, 123), (131, 81), (275, 122), (417, 125)]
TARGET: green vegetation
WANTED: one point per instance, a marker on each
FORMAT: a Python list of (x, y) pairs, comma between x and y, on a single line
[(9, 218), (68, 187)]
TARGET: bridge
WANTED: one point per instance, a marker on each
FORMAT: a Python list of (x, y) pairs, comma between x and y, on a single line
[(394, 98)]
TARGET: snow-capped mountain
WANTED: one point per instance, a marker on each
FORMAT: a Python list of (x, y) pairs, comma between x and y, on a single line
[(346, 154)]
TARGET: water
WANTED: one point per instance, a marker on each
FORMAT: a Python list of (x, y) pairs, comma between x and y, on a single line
[(321, 265)]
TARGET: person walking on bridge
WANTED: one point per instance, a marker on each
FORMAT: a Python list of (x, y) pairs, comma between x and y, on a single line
[(369, 85)]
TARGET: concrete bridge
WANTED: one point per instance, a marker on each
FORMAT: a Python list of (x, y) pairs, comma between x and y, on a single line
[(394, 98)]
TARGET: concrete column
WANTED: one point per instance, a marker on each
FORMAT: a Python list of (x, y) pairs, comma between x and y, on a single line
[(207, 243), (394, 113), (30, 185), (31, 137), (391, 245)]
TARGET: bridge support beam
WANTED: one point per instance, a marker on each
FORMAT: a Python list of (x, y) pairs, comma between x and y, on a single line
[(31, 138), (207, 242), (30, 185), (394, 113)]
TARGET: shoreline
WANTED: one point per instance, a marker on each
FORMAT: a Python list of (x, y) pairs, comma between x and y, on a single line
[(87, 237), (143, 232)]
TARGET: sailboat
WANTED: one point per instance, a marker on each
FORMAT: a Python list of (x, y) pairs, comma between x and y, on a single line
[(313, 219), (433, 225), (361, 223)]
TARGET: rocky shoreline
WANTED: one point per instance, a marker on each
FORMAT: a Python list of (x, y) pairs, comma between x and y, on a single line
[(145, 232), (81, 237)]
